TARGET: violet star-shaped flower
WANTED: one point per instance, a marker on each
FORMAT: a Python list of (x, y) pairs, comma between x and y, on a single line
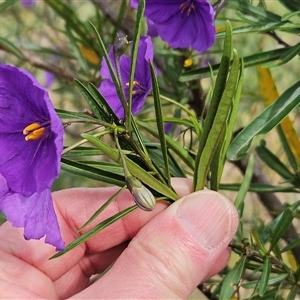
[(142, 84), (182, 23), (31, 143)]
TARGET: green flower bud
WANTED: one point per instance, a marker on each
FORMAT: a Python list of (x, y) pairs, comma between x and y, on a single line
[(120, 45), (143, 198)]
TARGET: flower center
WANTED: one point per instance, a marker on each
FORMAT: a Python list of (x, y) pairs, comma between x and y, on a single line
[(137, 88), (33, 132), (187, 6)]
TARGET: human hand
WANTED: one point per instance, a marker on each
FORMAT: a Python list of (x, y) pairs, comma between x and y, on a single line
[(172, 249)]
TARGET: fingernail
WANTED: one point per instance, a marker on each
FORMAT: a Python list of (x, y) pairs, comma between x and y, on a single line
[(206, 215)]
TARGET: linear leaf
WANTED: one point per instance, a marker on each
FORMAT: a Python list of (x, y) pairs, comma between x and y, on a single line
[(267, 120), (206, 152), (133, 168), (286, 130), (72, 21), (102, 208), (249, 61), (264, 278), (89, 234), (160, 123), (97, 109), (182, 153), (134, 52), (239, 200), (81, 169), (6, 4), (284, 221), (291, 4), (259, 188), (10, 47), (272, 280), (273, 162), (232, 278)]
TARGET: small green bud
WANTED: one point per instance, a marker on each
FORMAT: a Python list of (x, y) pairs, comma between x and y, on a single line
[(120, 45), (143, 198)]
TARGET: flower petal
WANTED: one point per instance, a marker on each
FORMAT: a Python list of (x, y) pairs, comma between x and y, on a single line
[(142, 76), (36, 214), (28, 166), (180, 27)]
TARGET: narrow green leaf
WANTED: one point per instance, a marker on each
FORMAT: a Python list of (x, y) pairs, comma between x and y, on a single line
[(268, 119), (76, 52), (73, 22), (259, 243), (81, 169), (182, 153), (102, 208), (273, 162), (6, 4), (199, 181), (293, 293), (82, 151), (249, 61), (121, 15), (284, 221), (101, 102), (218, 88), (239, 200), (134, 52), (247, 8), (109, 63), (133, 168), (291, 4), (99, 111), (270, 26), (290, 151), (285, 57), (264, 278), (89, 234), (288, 16), (105, 166), (291, 245), (10, 47), (259, 188), (217, 165), (272, 280), (232, 278), (160, 123), (155, 154), (66, 114), (206, 152)]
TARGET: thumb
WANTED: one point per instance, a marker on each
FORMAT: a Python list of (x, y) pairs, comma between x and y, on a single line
[(174, 252)]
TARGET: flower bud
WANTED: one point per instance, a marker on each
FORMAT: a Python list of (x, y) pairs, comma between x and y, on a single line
[(143, 198), (120, 45)]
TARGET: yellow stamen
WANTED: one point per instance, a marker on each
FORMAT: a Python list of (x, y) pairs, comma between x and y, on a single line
[(188, 62), (134, 83), (33, 132)]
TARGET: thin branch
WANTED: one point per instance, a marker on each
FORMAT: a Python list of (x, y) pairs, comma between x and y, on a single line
[(218, 6), (271, 202), (39, 63)]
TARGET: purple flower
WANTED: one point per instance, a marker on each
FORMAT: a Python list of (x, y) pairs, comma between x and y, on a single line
[(28, 3), (182, 23), (142, 78), (31, 143)]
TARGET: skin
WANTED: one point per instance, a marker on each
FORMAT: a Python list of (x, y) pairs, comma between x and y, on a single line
[(170, 250)]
